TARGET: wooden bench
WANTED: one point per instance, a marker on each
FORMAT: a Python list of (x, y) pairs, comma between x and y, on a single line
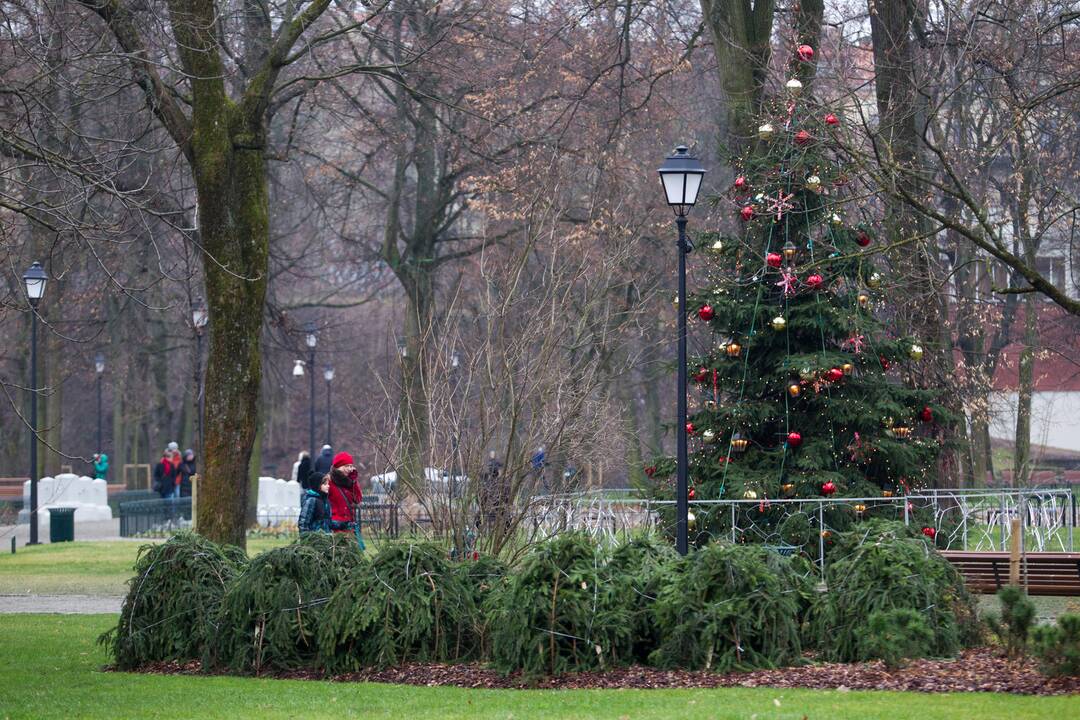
[(1041, 573)]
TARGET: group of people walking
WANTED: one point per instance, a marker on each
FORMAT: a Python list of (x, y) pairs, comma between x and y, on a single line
[(331, 494), (173, 473)]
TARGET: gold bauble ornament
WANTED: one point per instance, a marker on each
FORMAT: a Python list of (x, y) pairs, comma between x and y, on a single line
[(779, 323), (766, 131), (848, 368), (836, 219), (794, 390), (860, 508), (788, 488), (691, 520), (813, 183), (874, 280), (717, 247), (916, 352), (794, 86), (749, 495), (708, 437), (886, 493), (863, 299)]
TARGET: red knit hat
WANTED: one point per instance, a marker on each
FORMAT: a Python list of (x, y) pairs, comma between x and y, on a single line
[(342, 458)]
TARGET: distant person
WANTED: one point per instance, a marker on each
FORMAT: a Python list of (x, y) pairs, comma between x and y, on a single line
[(325, 461), (345, 496), (101, 466), (188, 470), (167, 474), (173, 447), (301, 465), (315, 509)]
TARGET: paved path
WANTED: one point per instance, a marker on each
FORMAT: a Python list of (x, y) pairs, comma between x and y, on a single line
[(66, 604), (100, 530)]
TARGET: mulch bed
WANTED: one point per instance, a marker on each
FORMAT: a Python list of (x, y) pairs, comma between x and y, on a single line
[(977, 670)]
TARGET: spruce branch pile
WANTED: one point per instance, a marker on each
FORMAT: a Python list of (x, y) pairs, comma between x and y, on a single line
[(408, 604), (271, 612), (170, 609), (562, 611), (890, 571), (729, 607), (643, 563), (481, 579)]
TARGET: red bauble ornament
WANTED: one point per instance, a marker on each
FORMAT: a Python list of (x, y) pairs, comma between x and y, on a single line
[(802, 137), (747, 212), (773, 260), (651, 470), (927, 415), (690, 494), (814, 281), (689, 428), (741, 183), (701, 375), (862, 239), (828, 488), (806, 53), (706, 313), (831, 119), (834, 375), (884, 362), (794, 439), (929, 532)]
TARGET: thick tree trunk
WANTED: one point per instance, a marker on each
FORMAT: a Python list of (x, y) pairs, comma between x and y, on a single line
[(1025, 390), (415, 421)]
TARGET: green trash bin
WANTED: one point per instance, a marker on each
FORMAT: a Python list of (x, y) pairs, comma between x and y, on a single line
[(61, 524)]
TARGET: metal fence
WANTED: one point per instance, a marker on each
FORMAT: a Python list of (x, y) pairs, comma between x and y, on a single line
[(975, 519), (153, 518)]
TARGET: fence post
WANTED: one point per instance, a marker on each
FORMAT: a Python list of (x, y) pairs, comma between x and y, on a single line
[(907, 513), (1001, 517), (821, 535), (1014, 552), (732, 523)]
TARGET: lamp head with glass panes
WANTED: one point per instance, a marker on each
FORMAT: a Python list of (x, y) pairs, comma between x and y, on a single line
[(328, 373), (298, 368), (99, 363), (199, 316), (681, 175), (310, 338), (35, 279)]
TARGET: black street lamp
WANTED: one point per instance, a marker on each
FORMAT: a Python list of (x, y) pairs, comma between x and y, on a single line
[(199, 319), (328, 375), (99, 367), (681, 176), (35, 279), (311, 340)]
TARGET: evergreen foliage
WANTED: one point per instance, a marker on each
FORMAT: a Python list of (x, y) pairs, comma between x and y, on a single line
[(898, 635), (481, 579), (1058, 646), (802, 342), (271, 612), (408, 604), (890, 571), (643, 563), (1013, 626), (729, 607), (562, 611), (170, 609)]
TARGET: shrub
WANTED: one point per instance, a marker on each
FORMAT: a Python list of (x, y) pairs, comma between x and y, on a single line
[(171, 603), (408, 604), (270, 613), (897, 635), (887, 570), (728, 607), (563, 611), (1013, 626), (641, 562), (1058, 647)]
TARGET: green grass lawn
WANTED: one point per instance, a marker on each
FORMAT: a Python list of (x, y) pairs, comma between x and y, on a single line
[(82, 568), (51, 668)]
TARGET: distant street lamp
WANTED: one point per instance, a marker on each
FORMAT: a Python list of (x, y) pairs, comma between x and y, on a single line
[(311, 340), (298, 368), (681, 176), (35, 279), (199, 318), (99, 367), (328, 375)]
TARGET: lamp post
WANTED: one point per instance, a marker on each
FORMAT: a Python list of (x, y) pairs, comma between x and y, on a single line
[(35, 279), (99, 368), (681, 176), (328, 375), (199, 318), (311, 340), (455, 365)]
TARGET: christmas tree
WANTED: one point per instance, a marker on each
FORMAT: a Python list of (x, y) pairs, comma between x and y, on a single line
[(800, 391)]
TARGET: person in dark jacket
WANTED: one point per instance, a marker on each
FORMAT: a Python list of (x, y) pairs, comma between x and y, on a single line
[(325, 461), (187, 470), (167, 474), (315, 509)]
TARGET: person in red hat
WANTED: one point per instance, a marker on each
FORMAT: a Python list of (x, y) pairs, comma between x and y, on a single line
[(345, 495)]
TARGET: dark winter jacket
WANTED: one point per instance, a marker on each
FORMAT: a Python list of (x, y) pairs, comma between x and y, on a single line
[(187, 469), (314, 512), (165, 477), (324, 462)]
